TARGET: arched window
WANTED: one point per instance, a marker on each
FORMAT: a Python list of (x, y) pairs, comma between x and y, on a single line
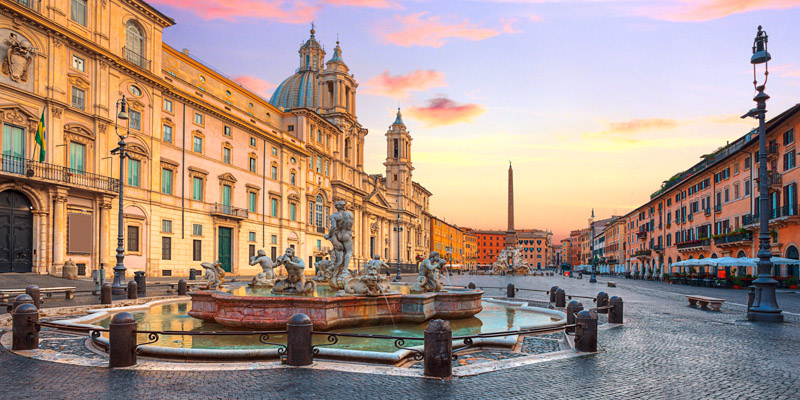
[(320, 204), (793, 254), (134, 47), (347, 148)]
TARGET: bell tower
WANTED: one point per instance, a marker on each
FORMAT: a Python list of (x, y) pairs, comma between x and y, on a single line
[(338, 87), (398, 158), (312, 56)]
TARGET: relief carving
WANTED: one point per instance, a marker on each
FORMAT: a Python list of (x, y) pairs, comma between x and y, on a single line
[(19, 57)]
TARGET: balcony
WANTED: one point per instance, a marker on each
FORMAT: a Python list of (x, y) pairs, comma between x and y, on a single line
[(642, 254), (227, 211), (320, 229), (707, 211), (733, 240), (718, 208), (135, 58), (694, 245), (772, 151), (641, 234), (690, 217), (658, 248), (21, 168), (774, 181), (778, 216)]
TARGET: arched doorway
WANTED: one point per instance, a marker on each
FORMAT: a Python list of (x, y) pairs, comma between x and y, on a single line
[(742, 271), (16, 232), (794, 254)]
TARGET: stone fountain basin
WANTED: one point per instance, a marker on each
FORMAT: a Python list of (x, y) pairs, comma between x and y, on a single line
[(272, 312)]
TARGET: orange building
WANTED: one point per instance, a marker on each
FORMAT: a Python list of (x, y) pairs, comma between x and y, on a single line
[(490, 244)]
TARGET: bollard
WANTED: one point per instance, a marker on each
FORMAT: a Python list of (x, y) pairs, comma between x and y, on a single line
[(438, 349), (105, 293), (182, 287), (615, 314), (35, 294), (122, 341), (299, 350), (561, 297), (141, 282), (510, 290), (602, 301), (133, 290), (192, 274), (586, 332), (553, 294), (471, 285), (22, 299), (573, 307), (25, 336)]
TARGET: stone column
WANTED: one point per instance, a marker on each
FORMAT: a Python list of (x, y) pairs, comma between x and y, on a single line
[(105, 236), (41, 242), (365, 233), (59, 230)]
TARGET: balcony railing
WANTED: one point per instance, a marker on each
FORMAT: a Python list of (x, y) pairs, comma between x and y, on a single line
[(736, 238), (641, 234), (227, 210), (779, 212), (135, 58), (707, 211), (774, 180), (658, 248), (56, 173), (694, 243), (642, 253), (718, 208)]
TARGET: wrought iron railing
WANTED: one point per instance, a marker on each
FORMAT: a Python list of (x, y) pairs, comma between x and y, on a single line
[(225, 209), (135, 58), (56, 173), (694, 243), (739, 237)]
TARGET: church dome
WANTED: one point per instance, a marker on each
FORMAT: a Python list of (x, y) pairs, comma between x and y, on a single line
[(298, 90)]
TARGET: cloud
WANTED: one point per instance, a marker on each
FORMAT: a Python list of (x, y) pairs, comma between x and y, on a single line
[(786, 70), (364, 3), (258, 85), (293, 12), (626, 131), (398, 86), (706, 10), (443, 111), (422, 30)]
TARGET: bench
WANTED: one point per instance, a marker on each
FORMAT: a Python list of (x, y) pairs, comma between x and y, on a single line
[(704, 301), (68, 291)]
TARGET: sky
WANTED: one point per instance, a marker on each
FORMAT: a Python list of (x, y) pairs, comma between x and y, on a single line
[(595, 102)]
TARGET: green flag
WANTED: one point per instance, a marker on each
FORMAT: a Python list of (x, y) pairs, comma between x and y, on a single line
[(40, 138)]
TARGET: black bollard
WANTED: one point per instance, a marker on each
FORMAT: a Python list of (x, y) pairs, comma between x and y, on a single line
[(182, 287), (35, 294), (573, 307), (105, 293), (471, 285), (602, 301), (133, 290), (553, 294), (561, 297), (122, 341), (25, 335), (192, 274), (299, 350), (615, 314), (438, 349), (21, 299), (510, 290), (141, 282), (586, 332)]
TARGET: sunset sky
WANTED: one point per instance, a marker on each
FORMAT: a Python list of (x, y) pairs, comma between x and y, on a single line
[(595, 102)]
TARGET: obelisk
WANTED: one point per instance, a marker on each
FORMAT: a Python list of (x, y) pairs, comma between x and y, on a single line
[(511, 234)]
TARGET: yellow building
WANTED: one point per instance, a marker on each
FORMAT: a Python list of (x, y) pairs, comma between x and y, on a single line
[(448, 240), (213, 171), (470, 250)]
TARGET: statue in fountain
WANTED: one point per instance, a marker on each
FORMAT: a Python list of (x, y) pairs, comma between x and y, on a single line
[(372, 282), (295, 281), (325, 267), (429, 271), (501, 265), (214, 273), (267, 276), (341, 237)]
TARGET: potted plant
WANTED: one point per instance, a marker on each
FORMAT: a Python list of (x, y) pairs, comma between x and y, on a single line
[(792, 282), (737, 282)]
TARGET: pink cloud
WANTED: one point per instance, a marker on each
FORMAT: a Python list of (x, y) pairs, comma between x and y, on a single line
[(706, 10), (398, 86), (786, 70), (443, 111), (258, 85), (293, 12), (422, 30), (364, 3)]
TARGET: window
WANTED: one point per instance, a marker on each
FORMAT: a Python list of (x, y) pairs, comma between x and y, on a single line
[(252, 201), (273, 204), (326, 167), (320, 205), (197, 250), (736, 169), (273, 172), (290, 128), (197, 188), (226, 130), (168, 105), (134, 44), (252, 164), (253, 142), (135, 90), (293, 211), (736, 191), (134, 119), (727, 194), (789, 160), (166, 181), (166, 248), (226, 155), (293, 179), (133, 172), (273, 239), (77, 157), (78, 63), (319, 164), (78, 11), (133, 238), (198, 118), (226, 195), (166, 133), (197, 230), (747, 163), (251, 236), (275, 151), (166, 226), (78, 98), (788, 137), (319, 136), (747, 187), (197, 144)]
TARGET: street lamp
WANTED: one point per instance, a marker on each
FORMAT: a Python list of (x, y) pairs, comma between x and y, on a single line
[(119, 287), (398, 229), (765, 304), (449, 250)]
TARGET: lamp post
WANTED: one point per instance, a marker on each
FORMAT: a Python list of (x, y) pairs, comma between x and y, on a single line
[(765, 305), (119, 287), (398, 229), (449, 250)]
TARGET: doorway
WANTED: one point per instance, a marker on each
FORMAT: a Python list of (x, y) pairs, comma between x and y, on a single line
[(224, 247), (16, 232)]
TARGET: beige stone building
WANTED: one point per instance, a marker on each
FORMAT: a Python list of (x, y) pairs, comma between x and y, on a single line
[(213, 170)]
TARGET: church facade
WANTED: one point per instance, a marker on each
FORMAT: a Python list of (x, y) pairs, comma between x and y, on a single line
[(213, 172)]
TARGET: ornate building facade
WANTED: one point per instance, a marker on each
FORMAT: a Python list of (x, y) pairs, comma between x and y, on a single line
[(213, 170)]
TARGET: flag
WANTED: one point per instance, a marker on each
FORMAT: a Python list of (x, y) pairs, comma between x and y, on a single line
[(40, 138)]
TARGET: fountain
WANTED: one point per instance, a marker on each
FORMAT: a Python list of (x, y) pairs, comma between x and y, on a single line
[(510, 260), (347, 300)]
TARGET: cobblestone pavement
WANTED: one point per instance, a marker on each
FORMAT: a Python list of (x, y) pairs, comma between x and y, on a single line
[(666, 350)]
